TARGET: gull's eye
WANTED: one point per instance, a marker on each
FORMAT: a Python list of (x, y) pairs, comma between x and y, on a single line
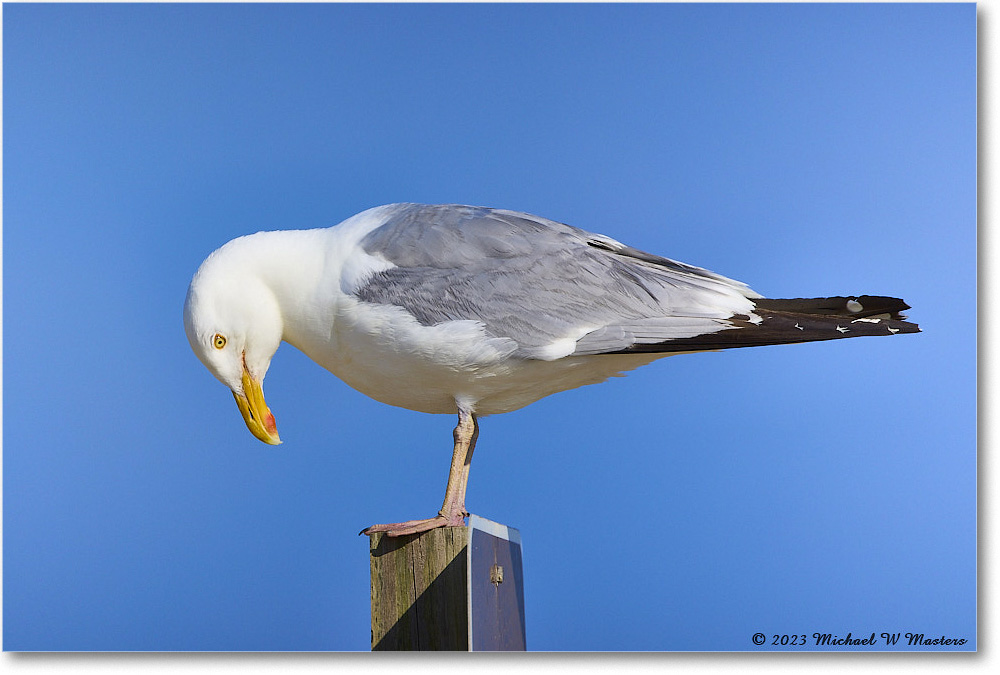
[(219, 341)]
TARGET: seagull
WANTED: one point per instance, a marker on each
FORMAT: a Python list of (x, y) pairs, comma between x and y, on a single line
[(476, 311)]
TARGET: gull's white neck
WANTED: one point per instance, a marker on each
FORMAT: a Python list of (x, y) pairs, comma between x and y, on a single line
[(310, 272), (292, 264)]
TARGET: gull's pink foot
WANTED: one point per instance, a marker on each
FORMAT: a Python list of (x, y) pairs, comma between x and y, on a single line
[(417, 526)]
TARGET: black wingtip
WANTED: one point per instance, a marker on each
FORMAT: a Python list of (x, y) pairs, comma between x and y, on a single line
[(854, 306), (794, 320)]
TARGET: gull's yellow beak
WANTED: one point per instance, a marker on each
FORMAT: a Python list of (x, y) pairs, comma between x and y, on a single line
[(255, 412)]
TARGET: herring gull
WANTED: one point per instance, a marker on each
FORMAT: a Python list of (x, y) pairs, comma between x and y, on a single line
[(477, 311)]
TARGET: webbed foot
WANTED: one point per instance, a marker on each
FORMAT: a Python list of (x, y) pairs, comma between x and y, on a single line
[(417, 526)]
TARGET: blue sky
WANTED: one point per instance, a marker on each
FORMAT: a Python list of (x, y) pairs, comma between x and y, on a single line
[(807, 150)]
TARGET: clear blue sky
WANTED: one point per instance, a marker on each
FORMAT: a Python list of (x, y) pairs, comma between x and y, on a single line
[(807, 150)]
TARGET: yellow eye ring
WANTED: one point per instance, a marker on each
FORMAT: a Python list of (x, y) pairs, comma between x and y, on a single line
[(219, 341)]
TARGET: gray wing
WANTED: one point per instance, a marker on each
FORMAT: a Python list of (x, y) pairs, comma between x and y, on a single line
[(540, 282)]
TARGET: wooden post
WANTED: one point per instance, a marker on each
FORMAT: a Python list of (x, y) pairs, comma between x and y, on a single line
[(419, 587), (452, 588)]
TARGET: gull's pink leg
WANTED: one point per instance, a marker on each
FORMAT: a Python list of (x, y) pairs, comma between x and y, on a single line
[(452, 513)]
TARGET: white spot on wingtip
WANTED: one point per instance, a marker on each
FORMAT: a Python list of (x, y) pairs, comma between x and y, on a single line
[(842, 329), (892, 330), (854, 306), (867, 320), (799, 327)]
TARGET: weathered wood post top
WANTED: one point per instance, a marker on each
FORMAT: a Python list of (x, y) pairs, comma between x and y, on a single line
[(452, 588)]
